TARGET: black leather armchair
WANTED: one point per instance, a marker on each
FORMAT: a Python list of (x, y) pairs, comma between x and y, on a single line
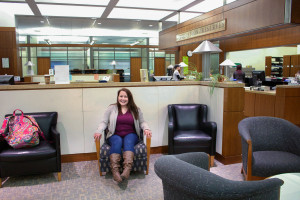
[(43, 158), (189, 130)]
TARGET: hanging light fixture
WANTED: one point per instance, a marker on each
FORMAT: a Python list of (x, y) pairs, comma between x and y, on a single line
[(206, 48)]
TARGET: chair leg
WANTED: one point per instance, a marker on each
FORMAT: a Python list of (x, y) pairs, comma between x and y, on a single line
[(148, 144), (59, 176), (212, 158)]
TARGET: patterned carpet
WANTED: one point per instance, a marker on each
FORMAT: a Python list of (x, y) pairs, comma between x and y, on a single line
[(81, 181)]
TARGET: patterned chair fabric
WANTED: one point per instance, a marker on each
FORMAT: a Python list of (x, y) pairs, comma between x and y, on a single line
[(189, 179), (273, 146), (140, 160)]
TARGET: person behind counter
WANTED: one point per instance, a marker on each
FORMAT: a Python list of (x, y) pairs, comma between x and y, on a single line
[(124, 121), (176, 74), (239, 75)]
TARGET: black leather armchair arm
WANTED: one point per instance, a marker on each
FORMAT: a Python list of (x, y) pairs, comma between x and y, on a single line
[(211, 129), (170, 137)]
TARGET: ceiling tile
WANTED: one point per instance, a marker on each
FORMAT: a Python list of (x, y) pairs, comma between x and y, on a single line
[(158, 4), (70, 11), (183, 17), (123, 13), (206, 6), (15, 9), (89, 2)]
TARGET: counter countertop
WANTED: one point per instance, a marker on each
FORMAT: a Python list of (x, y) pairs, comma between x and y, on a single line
[(117, 84)]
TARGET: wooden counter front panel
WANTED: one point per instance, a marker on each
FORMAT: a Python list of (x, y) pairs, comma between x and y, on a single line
[(249, 104), (231, 145), (234, 99), (288, 104), (264, 105), (232, 115)]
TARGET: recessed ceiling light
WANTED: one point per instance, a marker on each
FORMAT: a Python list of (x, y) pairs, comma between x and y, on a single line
[(150, 25), (94, 18), (42, 21), (99, 23)]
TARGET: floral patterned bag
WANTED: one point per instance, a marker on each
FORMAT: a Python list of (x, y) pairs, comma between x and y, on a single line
[(21, 131)]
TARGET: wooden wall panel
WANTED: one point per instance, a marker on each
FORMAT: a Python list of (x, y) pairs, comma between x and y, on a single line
[(195, 59), (286, 36), (295, 14), (43, 64), (8, 49), (135, 66), (242, 16), (249, 104), (159, 67)]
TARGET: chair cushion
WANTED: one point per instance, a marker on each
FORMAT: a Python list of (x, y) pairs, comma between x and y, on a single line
[(191, 138), (139, 160), (269, 163), (42, 151), (140, 150)]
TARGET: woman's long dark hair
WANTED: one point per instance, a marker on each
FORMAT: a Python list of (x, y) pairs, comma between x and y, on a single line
[(131, 105)]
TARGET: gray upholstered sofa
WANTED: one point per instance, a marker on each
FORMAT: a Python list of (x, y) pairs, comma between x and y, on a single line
[(185, 176), (270, 146)]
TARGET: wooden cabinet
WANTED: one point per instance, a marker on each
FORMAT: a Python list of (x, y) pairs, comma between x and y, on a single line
[(295, 65), (268, 65), (286, 66)]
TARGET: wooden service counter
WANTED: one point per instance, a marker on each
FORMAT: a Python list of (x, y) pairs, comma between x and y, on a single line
[(80, 107), (283, 103)]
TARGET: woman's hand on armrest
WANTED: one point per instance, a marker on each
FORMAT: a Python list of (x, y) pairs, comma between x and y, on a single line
[(147, 133), (97, 136)]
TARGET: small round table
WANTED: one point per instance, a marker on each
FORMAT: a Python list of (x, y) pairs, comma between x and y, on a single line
[(290, 190)]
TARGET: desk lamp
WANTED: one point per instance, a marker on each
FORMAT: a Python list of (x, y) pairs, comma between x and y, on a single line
[(227, 64), (29, 69), (182, 65), (206, 48)]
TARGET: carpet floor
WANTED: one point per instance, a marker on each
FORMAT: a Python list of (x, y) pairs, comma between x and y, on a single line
[(81, 180)]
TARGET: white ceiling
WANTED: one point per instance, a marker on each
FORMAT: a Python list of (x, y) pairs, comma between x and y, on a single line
[(135, 19)]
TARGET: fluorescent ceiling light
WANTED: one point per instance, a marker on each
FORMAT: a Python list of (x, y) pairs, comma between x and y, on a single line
[(159, 4), (89, 2), (122, 13), (206, 6), (183, 17), (70, 11), (229, 1), (14, 9)]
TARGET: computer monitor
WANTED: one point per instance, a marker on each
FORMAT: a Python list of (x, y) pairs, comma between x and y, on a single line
[(162, 78), (7, 80), (258, 77)]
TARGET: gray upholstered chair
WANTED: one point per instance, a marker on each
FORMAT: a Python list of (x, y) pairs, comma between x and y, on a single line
[(186, 176), (270, 146)]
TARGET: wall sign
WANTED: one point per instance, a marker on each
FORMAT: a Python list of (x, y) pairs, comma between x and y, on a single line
[(203, 30), (5, 63)]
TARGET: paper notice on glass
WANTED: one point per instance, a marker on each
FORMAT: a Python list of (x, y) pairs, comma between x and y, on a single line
[(61, 74)]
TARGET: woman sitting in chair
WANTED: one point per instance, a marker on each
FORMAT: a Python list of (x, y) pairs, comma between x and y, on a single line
[(124, 121)]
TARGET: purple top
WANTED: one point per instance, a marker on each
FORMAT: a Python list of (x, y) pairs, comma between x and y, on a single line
[(125, 124)]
